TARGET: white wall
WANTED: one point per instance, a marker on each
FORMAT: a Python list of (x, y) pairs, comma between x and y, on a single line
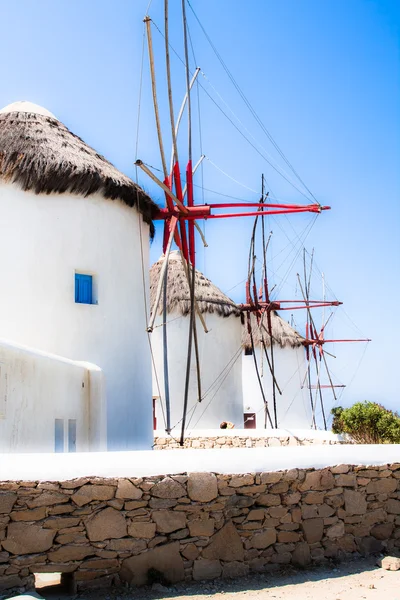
[(293, 406), (224, 402), (43, 241), (63, 467), (36, 388)]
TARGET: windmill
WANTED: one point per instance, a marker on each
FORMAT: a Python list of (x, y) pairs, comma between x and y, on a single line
[(181, 215)]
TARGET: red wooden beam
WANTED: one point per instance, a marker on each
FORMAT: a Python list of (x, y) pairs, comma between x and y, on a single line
[(205, 211)]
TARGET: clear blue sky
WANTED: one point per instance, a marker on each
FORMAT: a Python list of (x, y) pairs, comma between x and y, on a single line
[(323, 75)]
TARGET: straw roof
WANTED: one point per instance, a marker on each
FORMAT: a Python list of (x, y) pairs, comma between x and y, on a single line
[(209, 298), (40, 154), (282, 333)]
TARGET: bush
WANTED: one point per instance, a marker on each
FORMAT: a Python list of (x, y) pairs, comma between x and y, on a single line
[(367, 423)]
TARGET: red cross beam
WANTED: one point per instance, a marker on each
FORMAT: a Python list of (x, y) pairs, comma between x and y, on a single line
[(189, 213)]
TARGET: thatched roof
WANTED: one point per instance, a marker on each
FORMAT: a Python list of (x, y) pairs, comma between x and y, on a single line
[(282, 333), (40, 154), (209, 298)]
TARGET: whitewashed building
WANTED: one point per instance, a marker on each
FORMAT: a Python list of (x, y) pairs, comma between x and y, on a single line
[(219, 352), (293, 408), (74, 238)]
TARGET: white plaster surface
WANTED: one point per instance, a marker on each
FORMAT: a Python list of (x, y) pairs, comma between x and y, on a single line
[(221, 389), (36, 388), (44, 240), (293, 406), (29, 107), (59, 467)]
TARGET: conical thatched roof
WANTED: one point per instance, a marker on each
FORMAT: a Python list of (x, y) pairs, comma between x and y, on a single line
[(40, 154), (282, 333), (209, 298)]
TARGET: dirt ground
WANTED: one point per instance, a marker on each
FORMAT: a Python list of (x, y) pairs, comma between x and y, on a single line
[(355, 580)]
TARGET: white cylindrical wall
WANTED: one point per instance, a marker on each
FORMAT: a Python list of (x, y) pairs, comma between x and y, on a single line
[(293, 406), (44, 240), (220, 364)]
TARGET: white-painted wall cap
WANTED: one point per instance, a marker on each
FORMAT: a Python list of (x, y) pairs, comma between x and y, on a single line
[(28, 107)]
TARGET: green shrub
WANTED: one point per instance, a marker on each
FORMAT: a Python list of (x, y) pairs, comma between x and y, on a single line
[(367, 423)]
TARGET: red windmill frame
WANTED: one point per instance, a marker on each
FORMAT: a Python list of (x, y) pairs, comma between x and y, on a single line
[(180, 221)]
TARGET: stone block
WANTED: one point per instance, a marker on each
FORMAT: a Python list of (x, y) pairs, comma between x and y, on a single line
[(355, 502), (301, 556), (340, 469), (168, 520), (271, 477), (206, 569), (347, 543), (291, 498), (264, 539), (268, 500), (106, 524), (279, 488), (36, 514), (61, 522), (8, 582), (375, 516), (48, 499), (168, 488), (256, 514), (190, 552), (234, 569), (309, 511), (164, 559), (392, 506), (241, 480), (90, 492), (382, 531), (142, 530), (281, 559), (335, 531), (368, 545), (389, 563), (201, 527), (24, 538), (318, 480), (127, 545), (346, 480), (127, 491), (68, 553), (314, 498), (382, 486), (100, 563), (7, 501), (202, 487), (225, 545), (313, 530), (325, 510)]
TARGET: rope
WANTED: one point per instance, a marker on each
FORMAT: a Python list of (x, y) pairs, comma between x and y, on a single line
[(236, 127), (249, 106)]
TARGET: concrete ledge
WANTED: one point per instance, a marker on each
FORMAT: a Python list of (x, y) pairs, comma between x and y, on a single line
[(61, 467)]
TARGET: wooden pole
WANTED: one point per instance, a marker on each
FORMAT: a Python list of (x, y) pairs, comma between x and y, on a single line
[(147, 20)]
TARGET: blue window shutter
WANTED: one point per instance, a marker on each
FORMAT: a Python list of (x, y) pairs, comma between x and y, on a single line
[(83, 289)]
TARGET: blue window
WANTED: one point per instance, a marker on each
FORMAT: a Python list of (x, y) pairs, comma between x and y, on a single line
[(83, 289)]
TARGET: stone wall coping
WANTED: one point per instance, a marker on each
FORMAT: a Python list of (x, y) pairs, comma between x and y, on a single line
[(61, 467), (309, 434)]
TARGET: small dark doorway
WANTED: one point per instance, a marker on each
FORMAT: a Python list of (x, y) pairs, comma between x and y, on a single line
[(250, 420), (155, 398)]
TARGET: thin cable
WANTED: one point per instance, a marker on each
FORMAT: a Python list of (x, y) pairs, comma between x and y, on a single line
[(237, 128), (249, 106)]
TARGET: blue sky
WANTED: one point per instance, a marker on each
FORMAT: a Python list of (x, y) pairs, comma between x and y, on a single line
[(323, 75)]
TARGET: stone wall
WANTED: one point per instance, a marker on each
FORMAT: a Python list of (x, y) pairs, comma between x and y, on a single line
[(194, 526), (241, 440)]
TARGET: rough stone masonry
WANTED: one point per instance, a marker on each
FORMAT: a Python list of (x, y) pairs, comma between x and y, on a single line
[(194, 526)]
